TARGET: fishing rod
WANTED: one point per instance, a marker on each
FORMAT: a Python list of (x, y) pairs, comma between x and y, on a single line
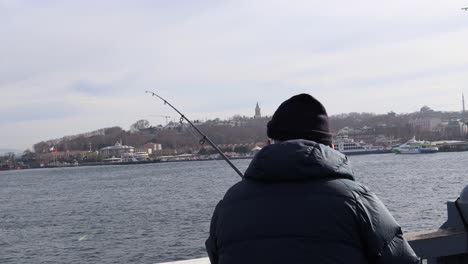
[(204, 137)]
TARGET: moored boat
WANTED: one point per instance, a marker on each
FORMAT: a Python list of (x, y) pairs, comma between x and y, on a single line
[(348, 146), (414, 146)]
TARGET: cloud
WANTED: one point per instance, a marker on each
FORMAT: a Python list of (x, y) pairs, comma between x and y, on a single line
[(91, 89), (409, 76), (91, 61), (109, 89), (38, 111)]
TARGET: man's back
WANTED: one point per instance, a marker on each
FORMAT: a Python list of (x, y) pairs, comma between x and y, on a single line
[(298, 203), (289, 223)]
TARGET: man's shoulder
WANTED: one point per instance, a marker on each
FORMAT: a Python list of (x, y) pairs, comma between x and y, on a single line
[(238, 189), (353, 186), (345, 187), (341, 187)]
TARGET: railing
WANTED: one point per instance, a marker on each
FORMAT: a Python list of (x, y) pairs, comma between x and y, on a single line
[(446, 245), (440, 246), (449, 243), (191, 261)]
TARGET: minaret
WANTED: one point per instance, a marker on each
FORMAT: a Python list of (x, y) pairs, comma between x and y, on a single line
[(257, 112), (463, 102), (463, 107)]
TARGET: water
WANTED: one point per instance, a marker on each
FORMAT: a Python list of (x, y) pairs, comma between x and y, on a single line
[(159, 212)]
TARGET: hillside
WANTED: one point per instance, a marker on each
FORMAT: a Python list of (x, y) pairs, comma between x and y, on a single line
[(242, 130)]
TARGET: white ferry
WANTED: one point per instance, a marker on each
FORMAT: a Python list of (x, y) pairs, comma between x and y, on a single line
[(348, 146), (112, 160), (135, 157), (128, 158), (414, 146)]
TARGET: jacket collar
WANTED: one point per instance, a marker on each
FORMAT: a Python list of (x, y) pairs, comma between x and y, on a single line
[(297, 160)]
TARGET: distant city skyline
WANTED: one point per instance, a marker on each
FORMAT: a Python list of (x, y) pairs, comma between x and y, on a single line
[(73, 67)]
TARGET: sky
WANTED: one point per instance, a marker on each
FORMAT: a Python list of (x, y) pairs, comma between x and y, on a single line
[(69, 67)]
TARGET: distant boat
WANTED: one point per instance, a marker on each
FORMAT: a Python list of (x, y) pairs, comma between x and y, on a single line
[(112, 160), (135, 157), (414, 146), (348, 146), (128, 158)]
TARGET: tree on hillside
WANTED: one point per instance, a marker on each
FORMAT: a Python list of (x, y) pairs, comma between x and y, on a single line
[(140, 124), (28, 155), (30, 158), (113, 131), (41, 147), (426, 109)]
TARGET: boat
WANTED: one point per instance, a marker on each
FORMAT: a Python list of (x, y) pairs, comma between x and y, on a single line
[(112, 160), (414, 146), (348, 146), (128, 158), (135, 157)]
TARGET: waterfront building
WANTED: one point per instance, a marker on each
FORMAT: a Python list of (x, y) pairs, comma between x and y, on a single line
[(116, 151), (63, 155), (456, 130), (366, 134), (152, 147)]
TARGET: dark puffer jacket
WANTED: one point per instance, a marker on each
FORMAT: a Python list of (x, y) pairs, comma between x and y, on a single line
[(299, 203)]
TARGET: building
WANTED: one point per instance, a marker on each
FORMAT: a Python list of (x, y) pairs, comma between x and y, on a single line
[(257, 112), (425, 124), (116, 151), (150, 148), (456, 129), (386, 141), (175, 126), (51, 158)]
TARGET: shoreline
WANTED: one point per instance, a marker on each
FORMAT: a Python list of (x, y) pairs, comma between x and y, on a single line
[(92, 164), (187, 159)]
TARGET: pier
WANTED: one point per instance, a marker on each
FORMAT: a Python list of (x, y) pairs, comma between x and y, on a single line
[(446, 245)]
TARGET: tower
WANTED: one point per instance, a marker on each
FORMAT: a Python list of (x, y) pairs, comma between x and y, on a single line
[(463, 103), (257, 111), (463, 114)]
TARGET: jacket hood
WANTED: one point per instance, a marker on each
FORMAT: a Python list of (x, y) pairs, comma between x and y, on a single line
[(297, 160)]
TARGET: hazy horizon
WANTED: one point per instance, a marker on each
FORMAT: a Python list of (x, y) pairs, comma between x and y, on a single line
[(174, 119)]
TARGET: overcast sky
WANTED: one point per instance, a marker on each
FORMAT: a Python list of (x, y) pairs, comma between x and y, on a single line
[(69, 67)]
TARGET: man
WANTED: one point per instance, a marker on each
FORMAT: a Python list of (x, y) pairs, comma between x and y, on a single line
[(298, 202)]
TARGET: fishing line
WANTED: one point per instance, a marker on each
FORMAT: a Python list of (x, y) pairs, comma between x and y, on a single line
[(204, 138)]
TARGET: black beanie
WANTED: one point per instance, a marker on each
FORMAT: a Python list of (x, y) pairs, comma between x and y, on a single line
[(300, 117)]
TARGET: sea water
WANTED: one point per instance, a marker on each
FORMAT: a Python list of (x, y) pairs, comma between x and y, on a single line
[(160, 212)]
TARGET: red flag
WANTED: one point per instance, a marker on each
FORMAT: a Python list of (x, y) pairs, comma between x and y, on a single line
[(53, 149)]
